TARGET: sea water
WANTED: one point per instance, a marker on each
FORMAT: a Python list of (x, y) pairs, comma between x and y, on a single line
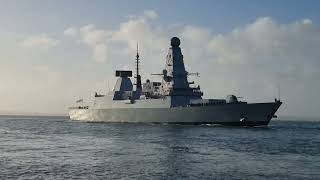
[(58, 148)]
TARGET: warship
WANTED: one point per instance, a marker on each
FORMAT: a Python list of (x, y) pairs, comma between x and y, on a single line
[(174, 100)]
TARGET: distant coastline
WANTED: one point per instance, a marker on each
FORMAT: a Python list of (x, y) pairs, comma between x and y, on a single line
[(298, 118), (30, 114)]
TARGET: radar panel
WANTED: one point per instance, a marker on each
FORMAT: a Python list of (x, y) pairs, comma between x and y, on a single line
[(123, 73)]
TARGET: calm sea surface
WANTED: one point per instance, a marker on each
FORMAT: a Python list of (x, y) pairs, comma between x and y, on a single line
[(57, 148)]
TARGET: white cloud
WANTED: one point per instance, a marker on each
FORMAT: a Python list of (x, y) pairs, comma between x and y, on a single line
[(195, 39), (72, 32), (255, 58), (152, 39), (40, 41), (266, 40), (250, 60), (42, 68), (198, 35), (93, 37), (151, 14), (307, 21), (97, 40), (100, 52), (137, 29)]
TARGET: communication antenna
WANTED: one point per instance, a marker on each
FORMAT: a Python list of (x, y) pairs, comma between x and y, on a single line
[(137, 60)]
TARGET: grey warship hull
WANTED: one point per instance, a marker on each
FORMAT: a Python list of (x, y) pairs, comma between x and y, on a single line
[(256, 114)]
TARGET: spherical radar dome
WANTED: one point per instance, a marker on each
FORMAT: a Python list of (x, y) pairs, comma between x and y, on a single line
[(175, 42)]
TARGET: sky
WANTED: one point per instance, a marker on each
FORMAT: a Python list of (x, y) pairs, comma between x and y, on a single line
[(55, 52)]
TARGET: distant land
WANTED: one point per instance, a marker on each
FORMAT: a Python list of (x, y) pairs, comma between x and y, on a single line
[(14, 113), (298, 118)]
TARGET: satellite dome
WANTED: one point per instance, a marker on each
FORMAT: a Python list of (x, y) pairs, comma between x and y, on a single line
[(231, 99), (175, 42)]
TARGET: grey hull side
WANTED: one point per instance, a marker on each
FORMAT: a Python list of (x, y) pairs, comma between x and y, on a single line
[(228, 114)]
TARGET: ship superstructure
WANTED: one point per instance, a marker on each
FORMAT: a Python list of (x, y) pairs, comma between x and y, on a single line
[(173, 100)]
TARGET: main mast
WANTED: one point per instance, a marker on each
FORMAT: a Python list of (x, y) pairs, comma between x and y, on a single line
[(138, 77)]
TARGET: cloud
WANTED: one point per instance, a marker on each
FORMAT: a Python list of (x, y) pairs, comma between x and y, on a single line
[(267, 41), (137, 29), (251, 60), (307, 21), (195, 39), (97, 40), (100, 52), (39, 68), (140, 31), (42, 41), (198, 35), (72, 32), (258, 57), (94, 38), (151, 14)]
